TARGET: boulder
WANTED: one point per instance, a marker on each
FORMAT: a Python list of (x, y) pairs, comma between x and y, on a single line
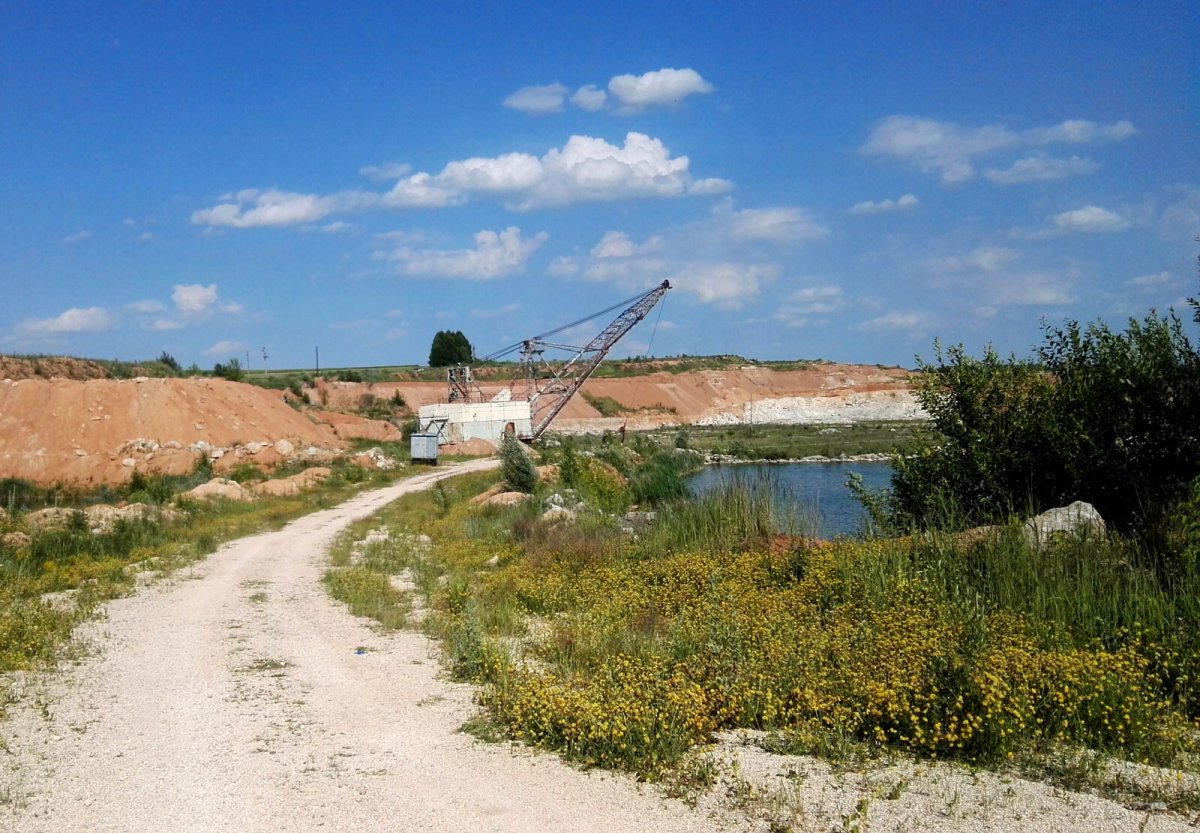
[(284, 448), (1078, 519), (102, 517), (557, 514)]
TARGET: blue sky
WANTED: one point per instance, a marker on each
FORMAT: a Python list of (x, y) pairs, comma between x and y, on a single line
[(843, 181)]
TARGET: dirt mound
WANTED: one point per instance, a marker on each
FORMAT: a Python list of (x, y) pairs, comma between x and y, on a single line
[(102, 431)]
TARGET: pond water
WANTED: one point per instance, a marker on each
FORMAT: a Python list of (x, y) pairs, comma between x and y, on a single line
[(810, 498)]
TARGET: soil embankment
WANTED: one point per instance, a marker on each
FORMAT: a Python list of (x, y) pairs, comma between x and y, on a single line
[(91, 431)]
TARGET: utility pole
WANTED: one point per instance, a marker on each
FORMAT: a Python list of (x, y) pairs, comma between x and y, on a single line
[(264, 360), (317, 358)]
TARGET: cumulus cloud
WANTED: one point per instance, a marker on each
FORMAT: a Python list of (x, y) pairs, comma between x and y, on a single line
[(77, 237), (1090, 218), (74, 320), (656, 89), (950, 150), (584, 169), (726, 284), (164, 324), (589, 98), (544, 99), (194, 298), (904, 203), (1041, 169), (495, 255)]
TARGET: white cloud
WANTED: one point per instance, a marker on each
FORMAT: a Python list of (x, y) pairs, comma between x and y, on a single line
[(778, 225), (193, 298), (495, 255), (74, 320), (1030, 289), (904, 203), (164, 324), (1152, 281), (589, 98), (226, 348), (937, 147), (982, 259), (726, 284), (804, 305), (145, 235), (584, 169), (1090, 218), (506, 173), (251, 207), (950, 150), (77, 237), (386, 172), (1080, 132), (1041, 169), (544, 99), (417, 191), (618, 244), (146, 307), (709, 187), (911, 322), (334, 228), (656, 89), (563, 267)]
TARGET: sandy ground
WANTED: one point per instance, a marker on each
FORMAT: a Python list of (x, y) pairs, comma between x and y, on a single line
[(238, 697)]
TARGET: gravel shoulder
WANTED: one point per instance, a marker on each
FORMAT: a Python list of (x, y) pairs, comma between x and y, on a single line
[(238, 696)]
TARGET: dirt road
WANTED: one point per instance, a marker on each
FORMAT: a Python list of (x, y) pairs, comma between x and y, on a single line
[(238, 697)]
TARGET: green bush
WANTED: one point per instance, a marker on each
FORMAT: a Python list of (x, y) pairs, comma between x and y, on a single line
[(1097, 415)]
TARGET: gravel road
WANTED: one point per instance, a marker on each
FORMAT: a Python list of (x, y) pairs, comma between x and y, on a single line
[(238, 696)]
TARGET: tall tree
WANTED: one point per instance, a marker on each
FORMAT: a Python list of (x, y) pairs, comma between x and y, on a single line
[(450, 347)]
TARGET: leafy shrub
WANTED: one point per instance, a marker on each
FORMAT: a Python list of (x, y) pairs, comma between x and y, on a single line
[(1100, 416), (516, 467)]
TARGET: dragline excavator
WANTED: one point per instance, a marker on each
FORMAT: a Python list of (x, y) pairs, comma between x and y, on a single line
[(546, 385)]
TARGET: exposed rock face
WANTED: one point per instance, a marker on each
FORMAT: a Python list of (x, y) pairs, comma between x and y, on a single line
[(1078, 518)]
